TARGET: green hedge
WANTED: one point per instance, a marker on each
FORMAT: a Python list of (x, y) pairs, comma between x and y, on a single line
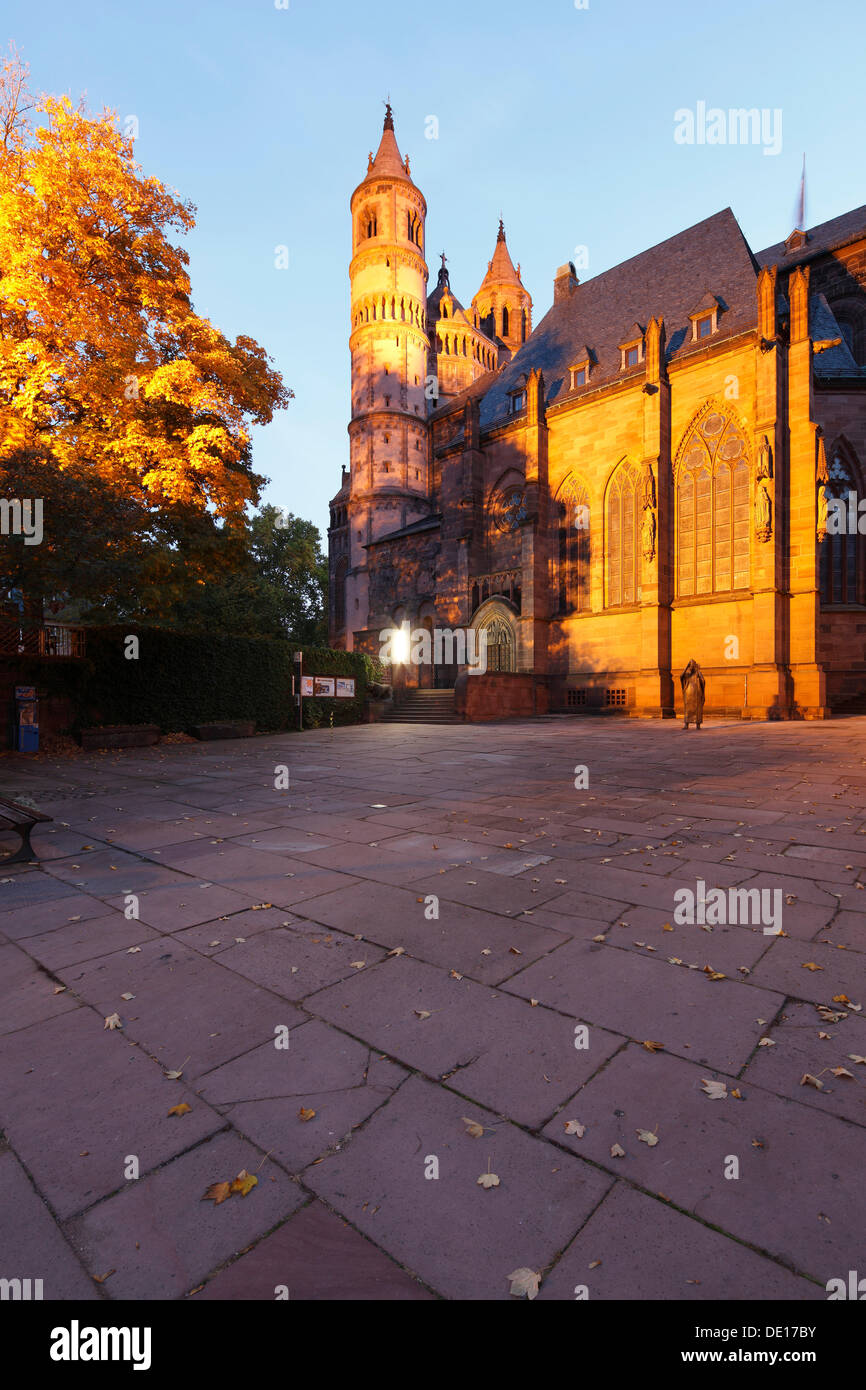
[(180, 679), (322, 712)]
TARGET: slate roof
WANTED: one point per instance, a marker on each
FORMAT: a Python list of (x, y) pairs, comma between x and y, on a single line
[(427, 523), (669, 280), (827, 236)]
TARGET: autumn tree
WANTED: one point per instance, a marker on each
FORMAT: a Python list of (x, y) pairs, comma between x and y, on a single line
[(121, 401)]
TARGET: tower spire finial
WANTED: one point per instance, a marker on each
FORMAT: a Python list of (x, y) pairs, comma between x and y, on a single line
[(389, 115), (501, 234)]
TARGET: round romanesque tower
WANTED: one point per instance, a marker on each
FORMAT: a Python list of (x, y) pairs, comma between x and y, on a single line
[(388, 487)]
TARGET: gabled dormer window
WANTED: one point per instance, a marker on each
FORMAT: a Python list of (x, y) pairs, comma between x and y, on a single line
[(704, 318), (518, 402), (632, 354), (579, 374)]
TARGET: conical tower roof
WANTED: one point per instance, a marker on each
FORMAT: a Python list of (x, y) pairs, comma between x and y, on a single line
[(388, 162), (501, 268)]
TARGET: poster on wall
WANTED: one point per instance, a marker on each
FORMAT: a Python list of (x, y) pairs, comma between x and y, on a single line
[(325, 686), (345, 688), (306, 685)]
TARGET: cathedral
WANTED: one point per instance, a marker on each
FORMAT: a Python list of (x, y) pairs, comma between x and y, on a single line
[(654, 472)]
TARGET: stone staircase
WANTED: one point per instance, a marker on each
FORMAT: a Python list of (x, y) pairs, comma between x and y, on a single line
[(423, 707)]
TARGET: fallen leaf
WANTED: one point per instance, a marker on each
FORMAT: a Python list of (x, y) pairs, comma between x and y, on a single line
[(245, 1182), (617, 1152), (653, 1046), (810, 965), (716, 1090), (423, 1013), (357, 964), (101, 1278), (304, 1114), (113, 1021), (842, 1071), (646, 1136), (766, 1042), (182, 1109), (217, 1193), (488, 1180), (575, 1127), (473, 1128), (398, 951), (808, 1080), (524, 1282), (127, 997), (852, 1057), (133, 951), (59, 989), (600, 938)]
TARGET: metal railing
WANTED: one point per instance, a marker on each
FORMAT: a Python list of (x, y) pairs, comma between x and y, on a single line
[(45, 639)]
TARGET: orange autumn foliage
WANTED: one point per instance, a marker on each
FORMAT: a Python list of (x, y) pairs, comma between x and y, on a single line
[(103, 361)]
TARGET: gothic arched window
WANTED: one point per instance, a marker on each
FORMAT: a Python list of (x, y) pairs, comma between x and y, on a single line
[(623, 535), (713, 517), (841, 553), (505, 322), (573, 548)]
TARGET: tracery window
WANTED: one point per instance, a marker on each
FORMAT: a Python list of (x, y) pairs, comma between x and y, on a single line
[(841, 553), (573, 548), (713, 519), (623, 535)]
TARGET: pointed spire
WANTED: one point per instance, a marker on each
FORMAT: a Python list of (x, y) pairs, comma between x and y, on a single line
[(500, 270), (388, 161)]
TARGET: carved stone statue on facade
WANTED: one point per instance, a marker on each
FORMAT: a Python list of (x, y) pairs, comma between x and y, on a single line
[(763, 512), (823, 499), (648, 534), (765, 459)]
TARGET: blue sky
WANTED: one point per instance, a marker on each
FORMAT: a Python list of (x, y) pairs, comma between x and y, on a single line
[(559, 118)]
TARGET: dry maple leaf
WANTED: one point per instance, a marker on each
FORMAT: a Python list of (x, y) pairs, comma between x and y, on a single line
[(716, 1090), (666, 926), (244, 1183), (575, 1127), (852, 1057), (305, 1115), (616, 1151), (808, 1080), (127, 997), (217, 1192), (842, 1071), (766, 1042), (113, 1021), (601, 939), (810, 965), (182, 1109), (653, 1046), (488, 1180), (646, 1136), (524, 1282), (473, 1128)]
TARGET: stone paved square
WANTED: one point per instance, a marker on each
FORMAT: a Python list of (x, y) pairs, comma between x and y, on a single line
[(436, 936)]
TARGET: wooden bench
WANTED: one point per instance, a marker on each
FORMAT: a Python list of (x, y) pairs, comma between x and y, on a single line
[(22, 819)]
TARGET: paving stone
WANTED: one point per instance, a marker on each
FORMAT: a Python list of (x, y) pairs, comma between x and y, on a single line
[(518, 1059), (31, 1244), (294, 963), (22, 922), (214, 938), (800, 1050), (185, 1007), (263, 1093), (27, 993), (162, 1240), (647, 1250), (648, 999), (22, 887), (77, 1100), (783, 968), (847, 929), (795, 1196), (460, 1239), (725, 948), (315, 1255), (96, 936), (489, 892), (172, 908)]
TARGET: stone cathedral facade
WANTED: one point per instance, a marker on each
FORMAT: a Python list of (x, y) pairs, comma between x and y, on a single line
[(645, 476)]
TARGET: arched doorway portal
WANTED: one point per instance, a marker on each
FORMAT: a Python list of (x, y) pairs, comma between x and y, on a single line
[(496, 620)]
